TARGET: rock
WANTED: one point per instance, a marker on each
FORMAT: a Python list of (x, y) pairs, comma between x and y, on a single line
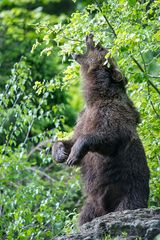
[(130, 224)]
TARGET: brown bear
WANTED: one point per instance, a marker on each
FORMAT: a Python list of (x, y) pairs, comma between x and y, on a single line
[(105, 143)]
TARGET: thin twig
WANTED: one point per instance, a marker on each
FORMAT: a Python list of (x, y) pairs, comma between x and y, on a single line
[(40, 145), (153, 59), (114, 33), (138, 64), (157, 90), (28, 131), (144, 63), (74, 40), (149, 94), (41, 173), (152, 76), (142, 70)]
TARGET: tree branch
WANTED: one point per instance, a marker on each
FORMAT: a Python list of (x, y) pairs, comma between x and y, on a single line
[(138, 64), (149, 94), (142, 70), (144, 63), (157, 90), (114, 33)]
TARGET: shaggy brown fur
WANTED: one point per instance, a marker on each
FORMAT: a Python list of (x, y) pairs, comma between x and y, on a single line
[(105, 142)]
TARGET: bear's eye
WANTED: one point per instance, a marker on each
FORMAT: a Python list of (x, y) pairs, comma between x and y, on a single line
[(99, 48)]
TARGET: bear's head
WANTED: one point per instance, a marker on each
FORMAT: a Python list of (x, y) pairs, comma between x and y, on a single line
[(94, 59)]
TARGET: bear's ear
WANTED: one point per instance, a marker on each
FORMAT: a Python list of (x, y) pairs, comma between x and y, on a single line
[(89, 42), (116, 73)]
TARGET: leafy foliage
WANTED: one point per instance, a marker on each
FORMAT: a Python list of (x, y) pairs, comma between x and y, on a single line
[(39, 100)]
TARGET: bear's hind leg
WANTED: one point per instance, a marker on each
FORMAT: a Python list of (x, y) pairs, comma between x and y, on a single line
[(88, 213), (131, 202), (91, 210)]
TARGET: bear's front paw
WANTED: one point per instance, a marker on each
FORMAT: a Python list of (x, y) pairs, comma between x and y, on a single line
[(72, 160), (59, 152), (74, 157)]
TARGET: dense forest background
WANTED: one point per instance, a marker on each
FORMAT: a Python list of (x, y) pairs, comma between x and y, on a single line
[(40, 97)]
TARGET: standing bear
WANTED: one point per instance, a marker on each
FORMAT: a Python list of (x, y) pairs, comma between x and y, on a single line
[(105, 143)]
